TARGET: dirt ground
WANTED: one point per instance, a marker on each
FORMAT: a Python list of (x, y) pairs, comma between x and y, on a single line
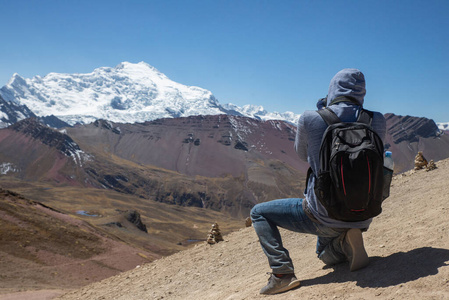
[(408, 247)]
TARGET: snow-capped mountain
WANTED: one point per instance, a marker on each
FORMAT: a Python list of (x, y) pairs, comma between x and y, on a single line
[(127, 93), (258, 112), (443, 126)]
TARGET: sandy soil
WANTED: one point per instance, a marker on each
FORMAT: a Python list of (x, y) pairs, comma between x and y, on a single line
[(34, 295), (408, 247)]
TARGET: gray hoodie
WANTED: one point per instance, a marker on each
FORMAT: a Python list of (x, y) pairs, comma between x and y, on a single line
[(345, 97), (348, 83)]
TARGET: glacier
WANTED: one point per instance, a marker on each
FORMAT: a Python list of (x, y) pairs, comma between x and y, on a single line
[(127, 93)]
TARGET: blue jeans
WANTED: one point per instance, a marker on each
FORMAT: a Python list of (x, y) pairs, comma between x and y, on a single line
[(289, 214)]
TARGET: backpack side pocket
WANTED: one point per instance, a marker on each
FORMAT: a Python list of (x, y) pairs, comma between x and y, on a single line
[(388, 175)]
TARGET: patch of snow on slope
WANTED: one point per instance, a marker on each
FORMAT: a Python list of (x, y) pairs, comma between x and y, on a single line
[(5, 168)]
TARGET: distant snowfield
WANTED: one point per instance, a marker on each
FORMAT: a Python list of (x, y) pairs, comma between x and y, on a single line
[(127, 93)]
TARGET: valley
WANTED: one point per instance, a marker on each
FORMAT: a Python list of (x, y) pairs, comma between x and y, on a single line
[(48, 243)]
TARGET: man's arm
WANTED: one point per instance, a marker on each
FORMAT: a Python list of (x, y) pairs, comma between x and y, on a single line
[(301, 139)]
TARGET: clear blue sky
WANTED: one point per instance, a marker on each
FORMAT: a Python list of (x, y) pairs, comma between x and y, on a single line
[(279, 54)]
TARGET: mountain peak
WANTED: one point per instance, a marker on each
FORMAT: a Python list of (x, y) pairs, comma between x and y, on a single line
[(16, 79), (142, 66), (126, 93)]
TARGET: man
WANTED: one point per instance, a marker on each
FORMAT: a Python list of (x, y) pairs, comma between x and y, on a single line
[(338, 241)]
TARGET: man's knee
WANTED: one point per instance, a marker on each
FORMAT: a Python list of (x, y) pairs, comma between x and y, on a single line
[(254, 214), (329, 257)]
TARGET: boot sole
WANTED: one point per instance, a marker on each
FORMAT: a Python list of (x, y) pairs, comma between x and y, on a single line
[(359, 257)]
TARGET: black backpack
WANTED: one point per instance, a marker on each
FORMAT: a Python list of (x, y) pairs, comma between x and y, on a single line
[(349, 183)]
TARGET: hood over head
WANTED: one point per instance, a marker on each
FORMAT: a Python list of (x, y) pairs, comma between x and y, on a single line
[(348, 83)]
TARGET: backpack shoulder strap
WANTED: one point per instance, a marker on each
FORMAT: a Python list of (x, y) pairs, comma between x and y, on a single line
[(365, 116), (328, 116)]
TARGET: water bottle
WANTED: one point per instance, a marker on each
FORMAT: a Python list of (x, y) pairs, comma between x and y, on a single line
[(388, 160), (388, 174)]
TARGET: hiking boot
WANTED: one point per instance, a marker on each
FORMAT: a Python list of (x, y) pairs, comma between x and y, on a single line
[(280, 284), (353, 248)]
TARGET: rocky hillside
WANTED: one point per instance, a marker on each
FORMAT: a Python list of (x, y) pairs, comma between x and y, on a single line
[(11, 112), (407, 245), (407, 135), (32, 151), (42, 247), (211, 146), (217, 162)]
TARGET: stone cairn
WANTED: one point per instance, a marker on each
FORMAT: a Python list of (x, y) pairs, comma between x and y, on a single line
[(420, 161), (431, 166), (214, 235)]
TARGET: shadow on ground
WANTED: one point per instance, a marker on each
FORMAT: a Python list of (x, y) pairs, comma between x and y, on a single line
[(392, 270)]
